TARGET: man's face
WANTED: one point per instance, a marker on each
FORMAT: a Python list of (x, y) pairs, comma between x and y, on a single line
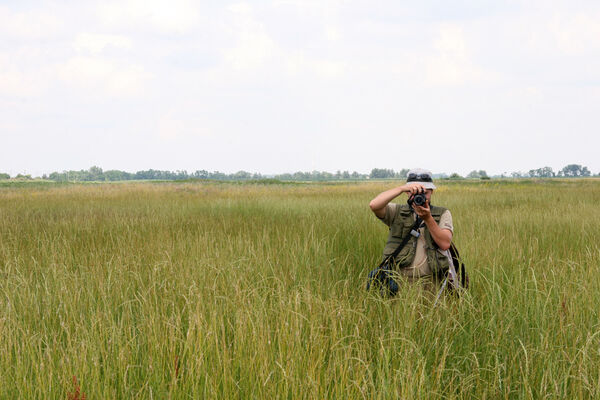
[(428, 193)]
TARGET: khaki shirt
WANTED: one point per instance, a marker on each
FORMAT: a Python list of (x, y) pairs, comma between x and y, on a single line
[(419, 267)]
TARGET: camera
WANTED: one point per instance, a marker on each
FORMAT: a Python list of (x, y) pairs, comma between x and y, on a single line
[(419, 199)]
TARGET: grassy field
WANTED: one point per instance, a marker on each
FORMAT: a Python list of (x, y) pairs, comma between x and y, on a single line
[(206, 290)]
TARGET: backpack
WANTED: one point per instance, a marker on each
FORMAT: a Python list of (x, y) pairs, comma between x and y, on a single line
[(459, 267)]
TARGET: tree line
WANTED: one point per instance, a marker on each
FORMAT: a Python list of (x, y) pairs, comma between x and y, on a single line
[(95, 174)]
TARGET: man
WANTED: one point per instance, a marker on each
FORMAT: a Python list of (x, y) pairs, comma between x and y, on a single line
[(423, 257)]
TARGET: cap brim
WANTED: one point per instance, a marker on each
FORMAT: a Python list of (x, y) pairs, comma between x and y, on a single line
[(426, 185)]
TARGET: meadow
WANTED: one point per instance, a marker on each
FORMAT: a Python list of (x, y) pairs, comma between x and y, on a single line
[(210, 290)]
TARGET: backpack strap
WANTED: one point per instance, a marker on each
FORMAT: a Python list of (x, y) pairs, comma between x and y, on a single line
[(459, 266)]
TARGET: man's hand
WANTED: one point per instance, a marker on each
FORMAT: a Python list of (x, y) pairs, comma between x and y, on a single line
[(422, 211), (413, 189)]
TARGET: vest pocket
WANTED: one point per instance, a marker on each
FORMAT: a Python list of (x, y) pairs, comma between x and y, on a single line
[(440, 260), (396, 231), (404, 257)]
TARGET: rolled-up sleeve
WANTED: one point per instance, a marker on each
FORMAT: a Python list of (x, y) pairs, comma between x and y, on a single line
[(390, 214), (446, 221)]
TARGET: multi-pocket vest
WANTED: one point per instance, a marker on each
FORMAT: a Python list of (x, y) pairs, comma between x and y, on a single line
[(401, 225)]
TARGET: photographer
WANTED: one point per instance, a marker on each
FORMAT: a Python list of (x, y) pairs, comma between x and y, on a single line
[(426, 253)]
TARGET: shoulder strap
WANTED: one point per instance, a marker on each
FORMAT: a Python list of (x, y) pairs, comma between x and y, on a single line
[(405, 240)]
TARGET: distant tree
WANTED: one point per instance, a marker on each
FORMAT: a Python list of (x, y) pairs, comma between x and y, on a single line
[(116, 175), (323, 176), (545, 172), (23, 177), (574, 170), (4, 176), (217, 175), (201, 174), (149, 174), (403, 173), (481, 174), (454, 175), (299, 176), (95, 174), (163, 175), (57, 177), (242, 175), (180, 175), (585, 171), (317, 176), (377, 173), (284, 177)]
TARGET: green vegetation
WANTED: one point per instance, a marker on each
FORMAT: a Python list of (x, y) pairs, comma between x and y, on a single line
[(200, 290), (96, 174)]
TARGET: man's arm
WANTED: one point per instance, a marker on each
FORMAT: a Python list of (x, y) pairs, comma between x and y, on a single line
[(443, 237), (379, 203)]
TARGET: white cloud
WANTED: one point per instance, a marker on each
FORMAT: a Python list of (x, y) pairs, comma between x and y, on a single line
[(554, 33), (187, 123), (452, 64), (333, 33), (170, 128), (321, 8), (15, 83), (297, 63), (28, 25), (253, 46), (576, 34), (253, 50), (20, 78), (96, 43), (256, 51), (175, 16), (104, 75)]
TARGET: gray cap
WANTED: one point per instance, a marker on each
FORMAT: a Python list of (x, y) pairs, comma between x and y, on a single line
[(420, 176)]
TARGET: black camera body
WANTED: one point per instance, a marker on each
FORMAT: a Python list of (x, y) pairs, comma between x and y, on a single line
[(418, 199)]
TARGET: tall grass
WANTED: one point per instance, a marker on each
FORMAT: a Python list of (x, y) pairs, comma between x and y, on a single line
[(201, 290)]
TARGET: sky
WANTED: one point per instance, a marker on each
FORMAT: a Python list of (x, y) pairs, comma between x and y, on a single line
[(299, 85)]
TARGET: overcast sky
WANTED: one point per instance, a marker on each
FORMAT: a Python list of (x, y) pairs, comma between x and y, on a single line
[(286, 85)]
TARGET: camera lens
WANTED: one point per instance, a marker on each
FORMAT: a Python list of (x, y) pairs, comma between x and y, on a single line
[(420, 199)]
